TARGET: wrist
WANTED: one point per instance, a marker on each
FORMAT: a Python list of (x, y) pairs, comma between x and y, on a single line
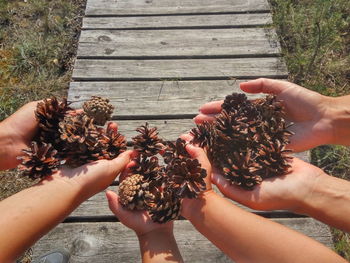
[(338, 112), (320, 192), (155, 234), (191, 207)]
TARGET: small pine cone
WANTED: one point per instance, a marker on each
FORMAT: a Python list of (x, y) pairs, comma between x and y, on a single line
[(234, 101), (49, 113), (149, 168), (203, 135), (164, 207), (99, 109), (241, 169), (39, 161), (112, 143), (133, 191), (186, 177), (175, 150), (79, 129), (148, 142)]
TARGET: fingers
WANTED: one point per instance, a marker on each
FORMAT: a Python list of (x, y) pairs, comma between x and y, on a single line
[(263, 85), (200, 118), (213, 107), (119, 163), (115, 206)]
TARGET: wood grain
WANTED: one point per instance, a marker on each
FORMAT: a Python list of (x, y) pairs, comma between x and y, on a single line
[(153, 7), (188, 69), (113, 242), (154, 97), (239, 42), (179, 21)]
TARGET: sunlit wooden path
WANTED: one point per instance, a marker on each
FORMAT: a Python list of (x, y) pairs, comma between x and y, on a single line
[(158, 61)]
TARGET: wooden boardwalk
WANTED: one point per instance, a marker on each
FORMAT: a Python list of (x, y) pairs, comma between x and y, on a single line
[(158, 61)]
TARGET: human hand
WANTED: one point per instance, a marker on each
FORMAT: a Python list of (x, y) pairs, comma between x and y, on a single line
[(93, 177), (16, 133), (308, 110), (139, 221), (287, 192)]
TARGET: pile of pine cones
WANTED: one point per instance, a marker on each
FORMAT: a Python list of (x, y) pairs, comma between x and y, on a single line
[(247, 140), (71, 137), (157, 188)]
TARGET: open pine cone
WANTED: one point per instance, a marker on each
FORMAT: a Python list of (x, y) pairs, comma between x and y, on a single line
[(186, 177), (148, 141), (247, 140), (99, 109), (39, 161), (49, 113)]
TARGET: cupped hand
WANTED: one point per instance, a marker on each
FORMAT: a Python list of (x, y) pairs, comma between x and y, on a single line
[(16, 133), (139, 221), (93, 177), (287, 192), (308, 110)]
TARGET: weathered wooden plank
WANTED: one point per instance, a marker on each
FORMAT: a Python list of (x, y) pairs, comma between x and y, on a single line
[(239, 42), (113, 242), (97, 206), (179, 21), (152, 7), (154, 97), (186, 69)]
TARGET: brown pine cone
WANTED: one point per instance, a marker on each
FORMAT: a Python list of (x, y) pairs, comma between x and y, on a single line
[(99, 109), (133, 191), (148, 142), (164, 207), (49, 113), (186, 177), (39, 161)]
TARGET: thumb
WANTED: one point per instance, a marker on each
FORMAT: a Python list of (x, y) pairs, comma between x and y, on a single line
[(262, 85), (114, 205), (199, 154)]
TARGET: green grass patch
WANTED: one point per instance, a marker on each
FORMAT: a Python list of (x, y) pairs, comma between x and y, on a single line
[(315, 40), (38, 44)]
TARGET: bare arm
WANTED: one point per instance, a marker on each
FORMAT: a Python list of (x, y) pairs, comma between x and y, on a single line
[(157, 241), (246, 237), (31, 213)]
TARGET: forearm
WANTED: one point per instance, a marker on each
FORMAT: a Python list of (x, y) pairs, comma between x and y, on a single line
[(329, 202), (6, 143), (339, 112), (29, 214), (246, 237), (159, 246)]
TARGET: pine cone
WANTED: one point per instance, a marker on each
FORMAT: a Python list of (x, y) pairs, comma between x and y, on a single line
[(39, 161), (164, 207), (49, 113), (149, 168), (81, 140), (247, 140), (203, 135), (148, 142), (133, 191), (112, 143), (175, 150), (186, 177), (99, 109)]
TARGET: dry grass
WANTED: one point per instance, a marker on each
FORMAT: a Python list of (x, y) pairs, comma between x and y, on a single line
[(315, 39)]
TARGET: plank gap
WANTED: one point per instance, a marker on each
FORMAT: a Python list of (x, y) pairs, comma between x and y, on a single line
[(180, 57), (266, 11), (179, 27), (92, 79)]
